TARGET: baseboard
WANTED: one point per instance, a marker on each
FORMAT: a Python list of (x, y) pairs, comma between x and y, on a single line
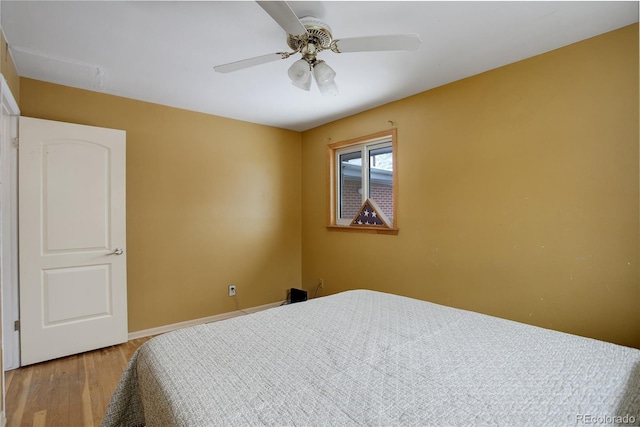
[(168, 328)]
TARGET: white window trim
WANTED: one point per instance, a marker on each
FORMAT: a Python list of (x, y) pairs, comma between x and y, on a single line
[(365, 148)]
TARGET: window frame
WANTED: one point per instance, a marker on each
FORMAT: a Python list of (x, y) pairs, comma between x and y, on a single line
[(366, 144)]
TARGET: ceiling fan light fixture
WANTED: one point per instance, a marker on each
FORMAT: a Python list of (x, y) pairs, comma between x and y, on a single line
[(325, 78), (329, 88), (323, 73), (304, 85), (300, 74)]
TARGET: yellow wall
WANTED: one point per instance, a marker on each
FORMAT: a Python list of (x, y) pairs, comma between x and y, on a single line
[(210, 202), (518, 194)]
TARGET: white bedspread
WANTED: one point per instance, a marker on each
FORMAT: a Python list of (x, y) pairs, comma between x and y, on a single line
[(369, 358)]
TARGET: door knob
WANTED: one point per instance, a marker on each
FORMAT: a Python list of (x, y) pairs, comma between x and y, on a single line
[(118, 251)]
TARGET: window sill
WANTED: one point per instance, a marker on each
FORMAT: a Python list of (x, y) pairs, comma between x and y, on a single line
[(370, 230)]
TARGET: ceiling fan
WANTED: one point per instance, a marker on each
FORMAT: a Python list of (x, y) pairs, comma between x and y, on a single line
[(309, 36)]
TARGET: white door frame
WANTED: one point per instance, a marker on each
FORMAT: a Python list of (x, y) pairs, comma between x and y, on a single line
[(9, 231)]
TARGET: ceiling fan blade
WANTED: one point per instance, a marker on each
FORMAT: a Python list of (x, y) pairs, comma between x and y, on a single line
[(377, 43), (281, 12), (246, 63)]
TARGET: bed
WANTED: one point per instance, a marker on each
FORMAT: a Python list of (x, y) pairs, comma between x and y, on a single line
[(369, 358)]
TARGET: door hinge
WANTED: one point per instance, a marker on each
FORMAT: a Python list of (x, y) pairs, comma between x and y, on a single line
[(16, 143), (16, 325)]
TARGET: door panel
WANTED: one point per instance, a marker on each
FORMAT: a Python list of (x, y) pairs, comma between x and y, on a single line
[(76, 211), (61, 286), (72, 219)]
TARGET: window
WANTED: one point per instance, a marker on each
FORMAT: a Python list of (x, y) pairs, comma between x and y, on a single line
[(361, 169)]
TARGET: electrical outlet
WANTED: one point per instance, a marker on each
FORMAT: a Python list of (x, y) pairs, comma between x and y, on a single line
[(321, 283), (232, 290)]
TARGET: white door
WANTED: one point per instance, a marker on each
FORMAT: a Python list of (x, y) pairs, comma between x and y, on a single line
[(73, 289)]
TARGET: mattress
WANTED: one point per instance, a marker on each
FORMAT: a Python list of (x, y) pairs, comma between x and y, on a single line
[(369, 358)]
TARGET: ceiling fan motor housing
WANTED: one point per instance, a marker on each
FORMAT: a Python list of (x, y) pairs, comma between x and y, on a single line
[(318, 34)]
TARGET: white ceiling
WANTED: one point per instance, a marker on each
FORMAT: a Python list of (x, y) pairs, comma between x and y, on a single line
[(164, 52)]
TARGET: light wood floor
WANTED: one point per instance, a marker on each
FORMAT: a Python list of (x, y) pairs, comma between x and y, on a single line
[(68, 392)]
